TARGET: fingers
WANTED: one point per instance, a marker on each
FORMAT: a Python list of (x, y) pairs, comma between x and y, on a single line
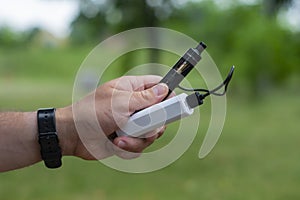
[(161, 131), (135, 83), (145, 82), (129, 148), (146, 98), (134, 146), (158, 132)]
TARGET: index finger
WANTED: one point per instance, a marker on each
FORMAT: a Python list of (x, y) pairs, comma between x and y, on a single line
[(136, 83)]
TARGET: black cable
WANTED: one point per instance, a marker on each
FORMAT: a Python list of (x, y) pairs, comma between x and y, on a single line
[(214, 91), (192, 89)]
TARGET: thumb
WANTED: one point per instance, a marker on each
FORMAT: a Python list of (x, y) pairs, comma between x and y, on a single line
[(145, 98)]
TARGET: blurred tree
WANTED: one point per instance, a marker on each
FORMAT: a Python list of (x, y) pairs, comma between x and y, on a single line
[(9, 38), (98, 18), (32, 33), (113, 16), (272, 7), (12, 39), (265, 53)]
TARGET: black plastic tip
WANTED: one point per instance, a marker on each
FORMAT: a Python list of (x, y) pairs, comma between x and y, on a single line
[(201, 46)]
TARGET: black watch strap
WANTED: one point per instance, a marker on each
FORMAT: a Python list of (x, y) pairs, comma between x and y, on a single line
[(48, 140)]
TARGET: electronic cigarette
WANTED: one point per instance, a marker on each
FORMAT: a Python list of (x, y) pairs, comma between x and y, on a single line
[(184, 65), (176, 108), (170, 110)]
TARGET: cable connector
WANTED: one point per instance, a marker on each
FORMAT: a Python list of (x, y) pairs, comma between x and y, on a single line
[(195, 99)]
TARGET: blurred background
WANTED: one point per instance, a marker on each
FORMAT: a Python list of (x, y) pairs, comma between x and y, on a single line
[(43, 43)]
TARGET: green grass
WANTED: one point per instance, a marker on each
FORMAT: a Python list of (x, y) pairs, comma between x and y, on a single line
[(41, 63), (257, 156)]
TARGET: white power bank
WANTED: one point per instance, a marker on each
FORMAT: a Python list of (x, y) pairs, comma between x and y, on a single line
[(156, 116)]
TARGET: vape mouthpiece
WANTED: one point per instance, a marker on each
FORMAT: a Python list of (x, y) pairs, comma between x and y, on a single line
[(201, 47)]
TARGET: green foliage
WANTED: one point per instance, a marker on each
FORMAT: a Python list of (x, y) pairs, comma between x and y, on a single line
[(264, 53), (272, 7), (85, 30), (10, 38), (96, 21)]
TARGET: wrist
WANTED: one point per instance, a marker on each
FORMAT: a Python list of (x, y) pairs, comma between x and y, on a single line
[(66, 131)]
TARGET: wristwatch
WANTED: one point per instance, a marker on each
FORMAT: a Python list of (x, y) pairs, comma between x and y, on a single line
[(48, 139)]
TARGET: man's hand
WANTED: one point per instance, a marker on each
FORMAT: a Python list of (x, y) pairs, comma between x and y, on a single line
[(83, 127), (102, 113)]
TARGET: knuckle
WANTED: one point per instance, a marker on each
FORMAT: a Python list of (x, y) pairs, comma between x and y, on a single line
[(145, 94)]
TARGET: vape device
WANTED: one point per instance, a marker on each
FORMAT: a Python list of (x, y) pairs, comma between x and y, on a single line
[(183, 66), (144, 121)]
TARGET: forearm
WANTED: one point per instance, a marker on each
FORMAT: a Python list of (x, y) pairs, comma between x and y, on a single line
[(18, 140), (19, 145)]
